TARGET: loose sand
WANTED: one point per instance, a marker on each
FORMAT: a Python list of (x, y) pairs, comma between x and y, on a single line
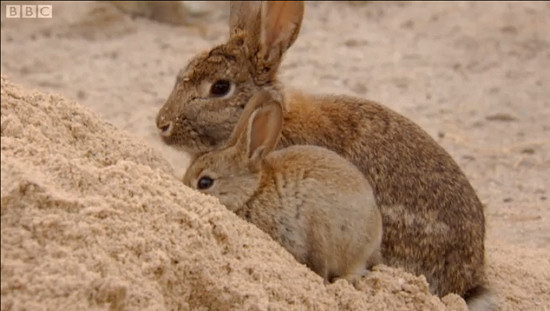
[(93, 215)]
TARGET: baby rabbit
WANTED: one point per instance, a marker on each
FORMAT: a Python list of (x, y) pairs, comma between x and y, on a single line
[(433, 220), (313, 202)]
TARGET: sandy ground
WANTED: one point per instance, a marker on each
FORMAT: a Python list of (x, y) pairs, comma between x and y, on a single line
[(472, 74)]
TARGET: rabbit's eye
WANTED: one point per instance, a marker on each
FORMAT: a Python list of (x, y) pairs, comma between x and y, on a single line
[(205, 183), (220, 88)]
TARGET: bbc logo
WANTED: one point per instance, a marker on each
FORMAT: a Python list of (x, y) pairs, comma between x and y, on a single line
[(29, 11)]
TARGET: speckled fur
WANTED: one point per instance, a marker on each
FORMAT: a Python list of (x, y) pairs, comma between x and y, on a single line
[(433, 220), (312, 201)]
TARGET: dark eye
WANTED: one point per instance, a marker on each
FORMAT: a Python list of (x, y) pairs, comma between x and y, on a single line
[(220, 88), (205, 183)]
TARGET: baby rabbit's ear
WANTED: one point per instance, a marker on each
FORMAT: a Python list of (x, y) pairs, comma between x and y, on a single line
[(254, 103), (264, 130), (259, 127)]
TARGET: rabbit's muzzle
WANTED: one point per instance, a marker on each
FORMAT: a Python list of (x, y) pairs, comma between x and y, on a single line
[(165, 127)]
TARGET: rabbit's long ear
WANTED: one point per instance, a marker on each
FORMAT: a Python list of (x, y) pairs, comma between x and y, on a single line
[(259, 127), (255, 102), (264, 129), (244, 16), (280, 26)]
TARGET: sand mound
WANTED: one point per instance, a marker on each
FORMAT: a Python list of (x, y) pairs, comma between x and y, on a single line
[(92, 219)]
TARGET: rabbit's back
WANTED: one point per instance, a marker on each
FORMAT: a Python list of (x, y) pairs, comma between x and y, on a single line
[(326, 214), (321, 164), (433, 220)]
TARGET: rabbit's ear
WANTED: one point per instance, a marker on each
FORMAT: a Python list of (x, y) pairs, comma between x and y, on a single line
[(238, 134), (259, 127), (244, 16), (264, 129), (280, 25)]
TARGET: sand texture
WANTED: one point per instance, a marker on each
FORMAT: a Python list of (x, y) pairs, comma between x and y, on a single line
[(93, 219), (94, 215)]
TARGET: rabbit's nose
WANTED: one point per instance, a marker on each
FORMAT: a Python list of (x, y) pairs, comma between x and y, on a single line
[(165, 127)]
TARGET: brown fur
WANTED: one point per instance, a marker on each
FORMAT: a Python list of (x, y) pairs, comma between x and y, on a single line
[(433, 220), (309, 199)]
